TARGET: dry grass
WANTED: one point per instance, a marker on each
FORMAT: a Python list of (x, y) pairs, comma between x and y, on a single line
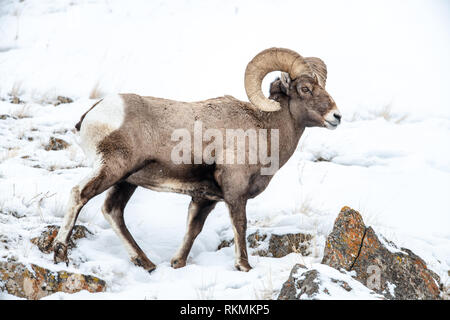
[(386, 112), (16, 89), (8, 154), (370, 216), (38, 200), (305, 205), (22, 111), (96, 92), (401, 119)]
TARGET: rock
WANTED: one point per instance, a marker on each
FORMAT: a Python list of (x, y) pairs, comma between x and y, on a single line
[(402, 275), (282, 245), (45, 241), (62, 99), (225, 244), (34, 282), (322, 282), (273, 245), (6, 116), (344, 241), (255, 239), (290, 289), (56, 144), (379, 264)]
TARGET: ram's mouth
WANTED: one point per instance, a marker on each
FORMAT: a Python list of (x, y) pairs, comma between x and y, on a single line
[(331, 125)]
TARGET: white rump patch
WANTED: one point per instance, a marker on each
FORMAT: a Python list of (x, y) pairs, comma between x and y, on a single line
[(105, 117)]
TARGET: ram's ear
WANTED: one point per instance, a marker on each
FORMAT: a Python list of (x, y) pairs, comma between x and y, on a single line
[(285, 82)]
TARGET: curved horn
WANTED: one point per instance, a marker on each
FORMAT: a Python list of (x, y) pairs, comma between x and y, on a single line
[(319, 68), (273, 59)]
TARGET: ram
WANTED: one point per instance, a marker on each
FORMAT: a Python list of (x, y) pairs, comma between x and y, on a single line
[(128, 139)]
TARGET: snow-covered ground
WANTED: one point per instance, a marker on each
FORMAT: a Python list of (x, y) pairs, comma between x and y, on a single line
[(389, 73)]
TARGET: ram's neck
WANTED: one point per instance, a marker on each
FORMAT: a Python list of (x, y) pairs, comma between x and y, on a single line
[(289, 131)]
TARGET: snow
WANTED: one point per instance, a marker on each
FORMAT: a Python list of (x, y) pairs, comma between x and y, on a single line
[(329, 281), (389, 159), (389, 245), (391, 288)]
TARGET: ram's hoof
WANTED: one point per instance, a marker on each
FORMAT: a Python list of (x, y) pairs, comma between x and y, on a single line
[(60, 253), (144, 262), (177, 263), (243, 266)]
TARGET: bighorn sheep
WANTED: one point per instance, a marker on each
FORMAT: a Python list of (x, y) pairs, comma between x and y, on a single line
[(127, 138)]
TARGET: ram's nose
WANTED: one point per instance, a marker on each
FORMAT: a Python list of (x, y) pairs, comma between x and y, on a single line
[(332, 119), (337, 115)]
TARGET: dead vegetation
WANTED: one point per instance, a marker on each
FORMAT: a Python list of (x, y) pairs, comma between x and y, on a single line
[(96, 92), (386, 112), (22, 111)]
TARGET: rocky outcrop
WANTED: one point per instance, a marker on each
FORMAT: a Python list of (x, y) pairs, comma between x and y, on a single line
[(277, 246), (45, 241), (378, 263), (293, 289), (323, 282), (344, 242), (34, 282)]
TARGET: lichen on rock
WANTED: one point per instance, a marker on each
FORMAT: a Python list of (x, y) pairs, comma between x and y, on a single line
[(274, 245), (34, 282), (396, 274), (45, 241)]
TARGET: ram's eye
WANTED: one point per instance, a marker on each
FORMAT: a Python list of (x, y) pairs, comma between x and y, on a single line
[(305, 89)]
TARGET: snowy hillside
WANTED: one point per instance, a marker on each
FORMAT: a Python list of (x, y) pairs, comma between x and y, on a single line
[(388, 71)]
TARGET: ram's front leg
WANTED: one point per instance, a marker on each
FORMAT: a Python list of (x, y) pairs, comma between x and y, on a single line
[(239, 222), (234, 182)]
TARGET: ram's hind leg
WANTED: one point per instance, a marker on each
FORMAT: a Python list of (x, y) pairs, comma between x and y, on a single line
[(113, 210), (101, 178), (198, 211)]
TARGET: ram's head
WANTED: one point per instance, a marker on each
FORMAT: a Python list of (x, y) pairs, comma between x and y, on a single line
[(301, 87)]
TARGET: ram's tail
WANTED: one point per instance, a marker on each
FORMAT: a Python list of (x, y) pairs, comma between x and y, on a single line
[(78, 125)]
